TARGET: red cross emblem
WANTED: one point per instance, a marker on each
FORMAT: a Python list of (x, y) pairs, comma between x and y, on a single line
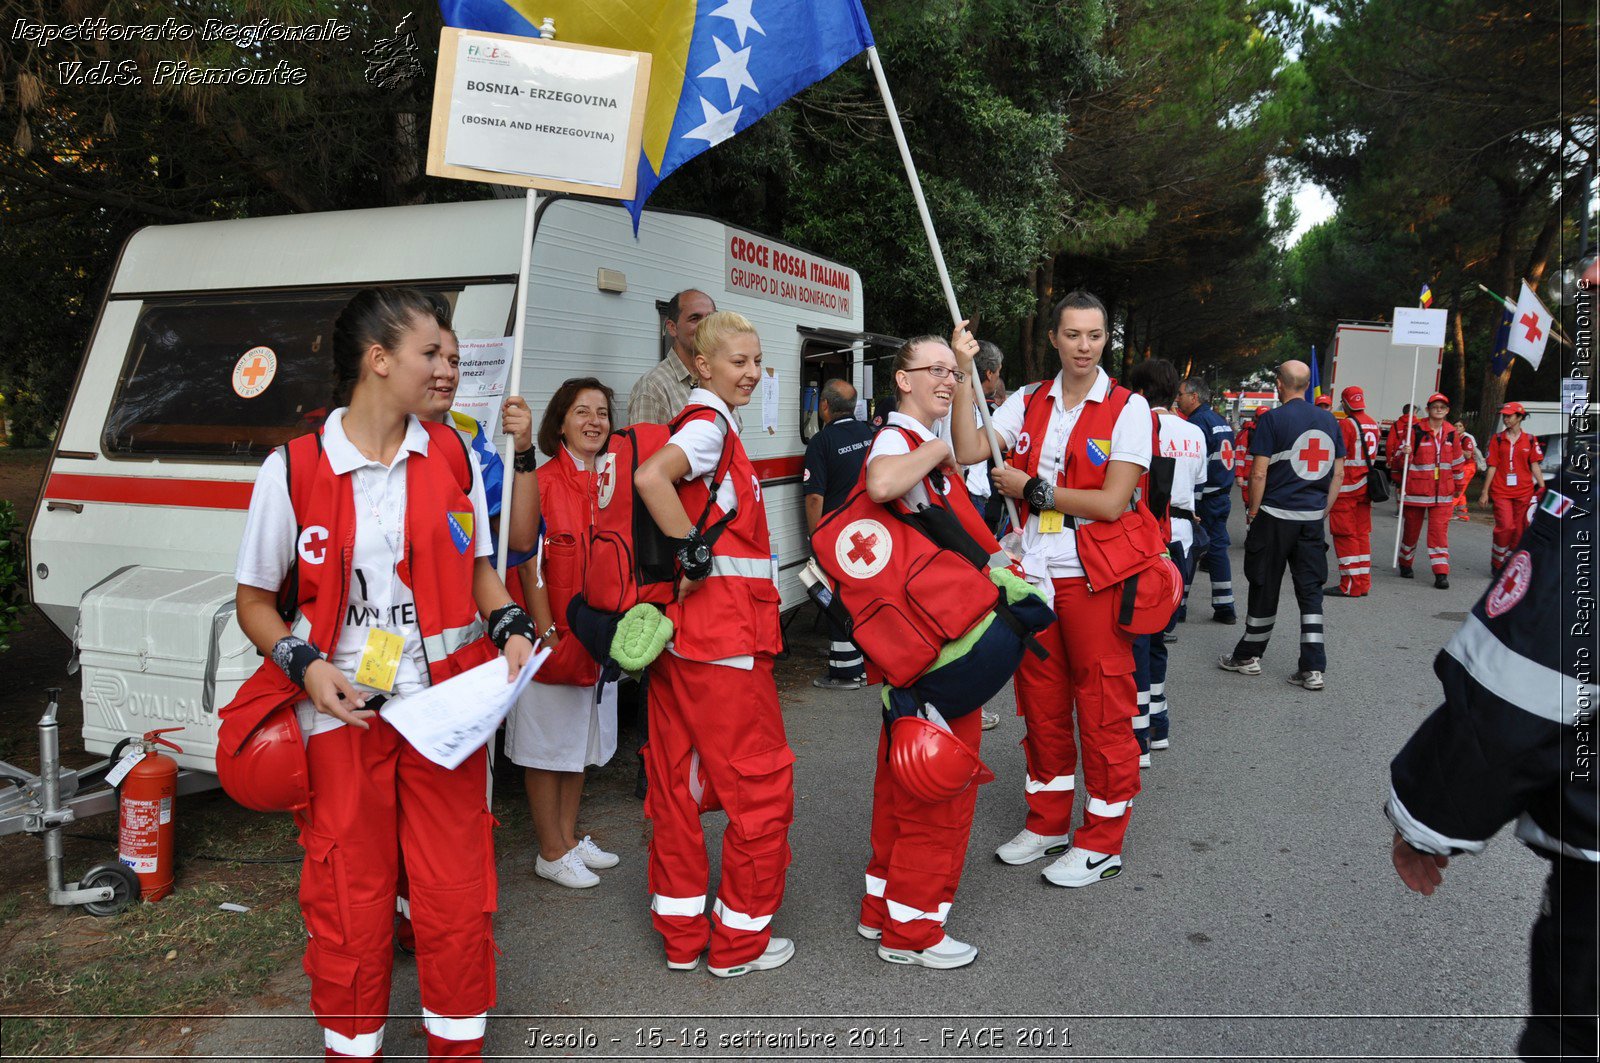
[(605, 479), (861, 551), (1530, 321), (1313, 455), (253, 371), (313, 545)]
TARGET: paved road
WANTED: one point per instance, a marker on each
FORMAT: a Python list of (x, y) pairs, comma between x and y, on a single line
[(1257, 916)]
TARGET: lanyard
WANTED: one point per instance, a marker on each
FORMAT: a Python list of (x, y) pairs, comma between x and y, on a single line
[(395, 541)]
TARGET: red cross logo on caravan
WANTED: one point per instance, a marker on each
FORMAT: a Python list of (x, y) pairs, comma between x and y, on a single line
[(606, 478), (863, 548), (254, 371), (313, 544), (1312, 454)]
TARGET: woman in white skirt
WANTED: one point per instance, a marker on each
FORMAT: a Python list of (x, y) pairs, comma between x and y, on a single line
[(566, 720)]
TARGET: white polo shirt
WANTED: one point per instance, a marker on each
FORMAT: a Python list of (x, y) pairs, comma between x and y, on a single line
[(378, 598), (701, 442), (887, 444), (1186, 445), (1056, 556)]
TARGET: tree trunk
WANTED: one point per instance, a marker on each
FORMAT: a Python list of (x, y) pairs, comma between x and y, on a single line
[(1461, 355), (1028, 342), (1129, 342)]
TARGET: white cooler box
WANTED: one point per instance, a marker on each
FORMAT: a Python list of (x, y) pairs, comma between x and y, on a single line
[(160, 647)]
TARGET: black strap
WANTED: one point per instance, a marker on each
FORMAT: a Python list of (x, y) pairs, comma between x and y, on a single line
[(714, 532), (1186, 514), (1130, 598), (1002, 609)]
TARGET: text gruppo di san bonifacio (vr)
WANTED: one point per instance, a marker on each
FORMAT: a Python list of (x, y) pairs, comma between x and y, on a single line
[(246, 35)]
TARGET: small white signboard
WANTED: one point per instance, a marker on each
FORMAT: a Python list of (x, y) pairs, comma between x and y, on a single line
[(485, 365), (1574, 396), (1414, 327)]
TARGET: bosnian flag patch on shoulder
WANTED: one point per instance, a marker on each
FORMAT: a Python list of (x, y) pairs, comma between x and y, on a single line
[(460, 525), (1556, 504), (1099, 451)]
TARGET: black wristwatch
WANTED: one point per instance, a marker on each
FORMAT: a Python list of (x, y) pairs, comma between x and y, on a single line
[(694, 556), (1039, 494)]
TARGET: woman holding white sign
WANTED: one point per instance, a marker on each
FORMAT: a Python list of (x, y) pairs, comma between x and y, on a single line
[(370, 534)]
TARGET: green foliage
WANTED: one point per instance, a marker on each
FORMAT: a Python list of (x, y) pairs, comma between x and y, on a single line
[(13, 574)]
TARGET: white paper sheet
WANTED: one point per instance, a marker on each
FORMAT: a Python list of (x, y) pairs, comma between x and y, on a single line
[(769, 401), (450, 721)]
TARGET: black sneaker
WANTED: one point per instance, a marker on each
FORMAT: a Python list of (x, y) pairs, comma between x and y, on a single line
[(1221, 617), (1405, 572), (1441, 582)]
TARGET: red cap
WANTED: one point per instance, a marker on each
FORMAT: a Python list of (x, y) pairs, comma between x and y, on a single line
[(1354, 398), (1437, 396), (1325, 401), (1513, 408)]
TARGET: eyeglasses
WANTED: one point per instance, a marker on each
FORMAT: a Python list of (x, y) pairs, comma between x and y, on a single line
[(939, 372)]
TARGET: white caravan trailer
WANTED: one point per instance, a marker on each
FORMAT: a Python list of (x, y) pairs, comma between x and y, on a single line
[(212, 347)]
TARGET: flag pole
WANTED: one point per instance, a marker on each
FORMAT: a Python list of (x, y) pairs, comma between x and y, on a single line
[(1416, 357), (938, 262), (514, 385), (1511, 308)]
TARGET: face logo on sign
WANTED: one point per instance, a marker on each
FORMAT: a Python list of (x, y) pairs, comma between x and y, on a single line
[(254, 371), (313, 544), (605, 478), (1024, 443), (1514, 583), (863, 548), (1311, 456)]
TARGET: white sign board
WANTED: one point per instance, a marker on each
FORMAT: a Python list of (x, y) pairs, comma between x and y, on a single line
[(765, 269), (485, 365), (525, 107), (1574, 396), (1418, 328)]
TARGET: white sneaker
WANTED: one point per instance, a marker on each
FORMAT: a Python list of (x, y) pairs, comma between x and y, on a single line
[(1160, 743), (568, 871), (1310, 680), (1027, 846), (946, 954), (594, 857), (1144, 759), (991, 720), (779, 952), (691, 965), (871, 933), (1080, 867), (1242, 665)]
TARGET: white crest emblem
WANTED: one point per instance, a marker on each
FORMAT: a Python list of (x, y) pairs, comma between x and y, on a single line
[(863, 549), (313, 545), (1311, 456), (755, 483), (1024, 443), (605, 478)]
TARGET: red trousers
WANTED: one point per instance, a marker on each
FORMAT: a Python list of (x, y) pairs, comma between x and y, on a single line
[(1438, 518), (1350, 520), (1510, 521), (1468, 471), (917, 852), (374, 797), (1090, 669), (724, 722)]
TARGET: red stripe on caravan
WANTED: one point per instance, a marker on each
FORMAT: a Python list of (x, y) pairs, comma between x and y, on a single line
[(149, 491), (780, 468)]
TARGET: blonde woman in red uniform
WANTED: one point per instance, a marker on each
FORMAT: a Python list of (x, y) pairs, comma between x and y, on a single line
[(1514, 476), (713, 704), (376, 528)]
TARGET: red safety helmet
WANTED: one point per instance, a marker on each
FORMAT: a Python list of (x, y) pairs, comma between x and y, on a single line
[(931, 763), (1513, 408), (1437, 396), (1354, 398), (268, 772), (1325, 401)]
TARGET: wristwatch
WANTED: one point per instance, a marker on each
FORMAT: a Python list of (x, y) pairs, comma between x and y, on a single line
[(1040, 495), (694, 556)]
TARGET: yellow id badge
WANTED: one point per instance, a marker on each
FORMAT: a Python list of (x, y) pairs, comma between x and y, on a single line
[(1051, 521), (380, 660)]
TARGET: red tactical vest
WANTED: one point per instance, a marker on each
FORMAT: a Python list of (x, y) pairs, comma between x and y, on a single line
[(906, 594), (566, 502), (1517, 458), (1431, 467), (437, 565), (1358, 454), (736, 611), (1088, 447)]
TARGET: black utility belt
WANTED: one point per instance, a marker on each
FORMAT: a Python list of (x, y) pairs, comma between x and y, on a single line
[(1186, 514)]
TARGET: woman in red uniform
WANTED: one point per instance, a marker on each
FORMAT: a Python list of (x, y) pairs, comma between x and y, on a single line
[(376, 528), (713, 704), (560, 728), (1513, 478)]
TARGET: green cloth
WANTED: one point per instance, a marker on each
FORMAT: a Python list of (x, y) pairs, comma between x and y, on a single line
[(1015, 586), (642, 633)]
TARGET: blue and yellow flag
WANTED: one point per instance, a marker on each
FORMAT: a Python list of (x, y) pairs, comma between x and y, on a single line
[(717, 65), (1316, 377)]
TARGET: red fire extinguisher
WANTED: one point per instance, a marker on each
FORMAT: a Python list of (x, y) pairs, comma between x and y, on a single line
[(145, 826)]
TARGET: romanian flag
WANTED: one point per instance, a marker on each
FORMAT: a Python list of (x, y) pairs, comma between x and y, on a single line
[(1425, 297), (717, 65), (1316, 377)]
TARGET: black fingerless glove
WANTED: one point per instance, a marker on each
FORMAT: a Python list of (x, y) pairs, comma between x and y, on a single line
[(526, 460), (510, 620), (694, 556), (294, 655)]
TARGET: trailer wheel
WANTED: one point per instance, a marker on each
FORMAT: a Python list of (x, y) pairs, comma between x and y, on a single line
[(124, 888)]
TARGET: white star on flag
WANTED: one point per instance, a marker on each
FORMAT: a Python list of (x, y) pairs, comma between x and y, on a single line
[(718, 125), (733, 68), (738, 13), (1530, 328)]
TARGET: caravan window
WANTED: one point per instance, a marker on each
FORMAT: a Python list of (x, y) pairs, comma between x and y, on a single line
[(229, 375)]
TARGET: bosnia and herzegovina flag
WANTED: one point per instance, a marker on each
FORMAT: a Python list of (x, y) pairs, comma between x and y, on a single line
[(717, 65), (1316, 377)]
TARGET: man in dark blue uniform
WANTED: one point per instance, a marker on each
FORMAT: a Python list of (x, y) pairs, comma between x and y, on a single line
[(1214, 502), (1296, 467), (833, 465), (1514, 740)]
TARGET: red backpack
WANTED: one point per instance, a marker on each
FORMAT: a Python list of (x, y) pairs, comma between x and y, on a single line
[(910, 580), (629, 559)]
